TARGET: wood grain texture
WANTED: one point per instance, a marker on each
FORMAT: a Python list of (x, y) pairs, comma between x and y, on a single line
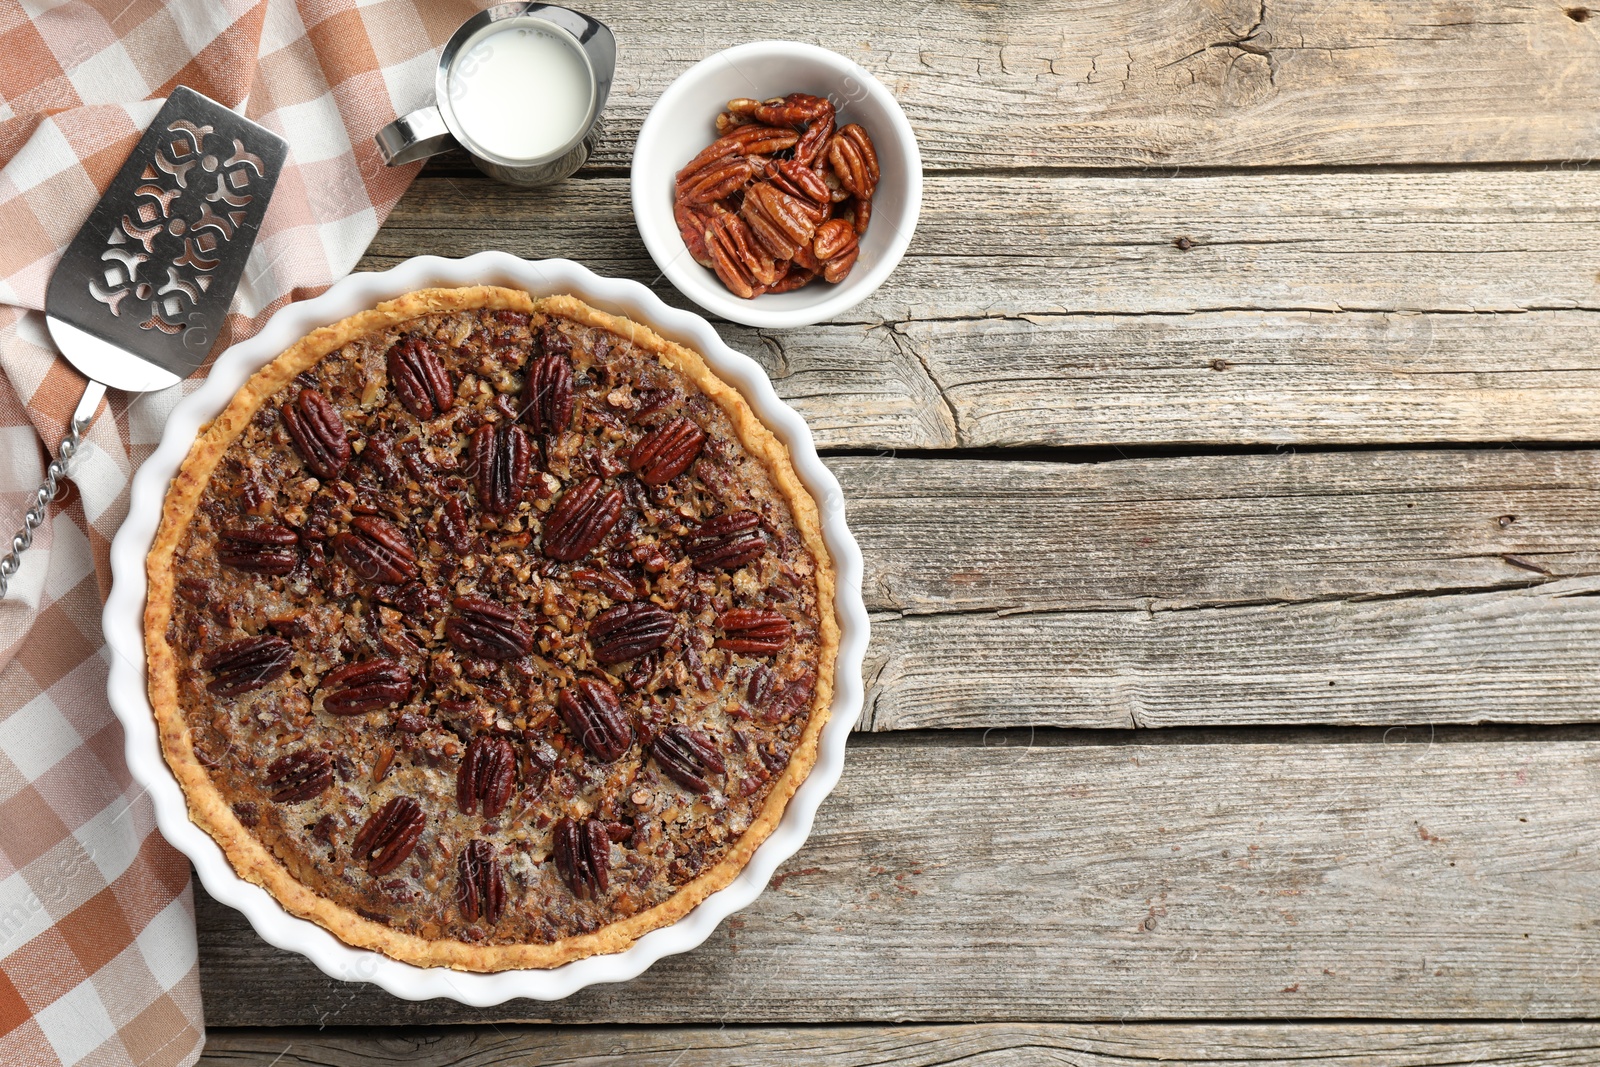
[(1345, 588), (976, 1045), (945, 535), (948, 880), (1310, 307), (1170, 82), (1475, 241), (1521, 655), (1239, 377)]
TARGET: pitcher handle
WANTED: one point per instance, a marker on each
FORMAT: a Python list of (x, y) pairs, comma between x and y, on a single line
[(415, 136)]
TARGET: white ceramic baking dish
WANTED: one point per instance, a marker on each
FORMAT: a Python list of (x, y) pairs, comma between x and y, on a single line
[(124, 610)]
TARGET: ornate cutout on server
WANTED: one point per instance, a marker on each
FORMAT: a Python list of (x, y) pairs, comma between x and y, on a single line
[(198, 184)]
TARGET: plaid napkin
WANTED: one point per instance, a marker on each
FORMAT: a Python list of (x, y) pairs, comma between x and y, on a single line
[(97, 940)]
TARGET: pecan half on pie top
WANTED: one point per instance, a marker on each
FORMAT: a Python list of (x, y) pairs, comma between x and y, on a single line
[(489, 632)]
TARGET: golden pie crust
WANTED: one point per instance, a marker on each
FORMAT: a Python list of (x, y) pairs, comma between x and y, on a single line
[(209, 809)]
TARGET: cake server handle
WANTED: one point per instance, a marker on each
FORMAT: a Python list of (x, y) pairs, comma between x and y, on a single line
[(93, 393)]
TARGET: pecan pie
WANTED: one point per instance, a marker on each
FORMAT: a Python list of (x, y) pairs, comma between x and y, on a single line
[(488, 631)]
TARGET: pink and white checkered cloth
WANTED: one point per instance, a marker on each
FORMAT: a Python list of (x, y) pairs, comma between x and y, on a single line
[(97, 940)]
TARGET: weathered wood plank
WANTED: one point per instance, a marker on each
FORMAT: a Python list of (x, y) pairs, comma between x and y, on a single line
[(1351, 588), (1074, 319), (948, 880), (1246, 377), (1465, 241), (1161, 534), (1527, 656), (979, 1045), (1171, 82)]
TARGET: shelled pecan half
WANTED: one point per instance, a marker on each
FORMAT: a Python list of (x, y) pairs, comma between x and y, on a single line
[(628, 631), (376, 551), (854, 161), (389, 836), (802, 183), (601, 580), (298, 776), (455, 529), (318, 432), (666, 451), (728, 541), (480, 627), (715, 180), (488, 775), (753, 631), (480, 886), (547, 394), (248, 663), (582, 851), (736, 256), (593, 715), (780, 221), (501, 458), (265, 548), (580, 520), (357, 688), (836, 248), (692, 228), (797, 109), (688, 757), (419, 379)]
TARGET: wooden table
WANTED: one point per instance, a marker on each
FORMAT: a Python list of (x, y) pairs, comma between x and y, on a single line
[(1223, 456)]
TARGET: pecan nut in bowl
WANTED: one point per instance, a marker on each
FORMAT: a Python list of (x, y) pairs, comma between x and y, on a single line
[(497, 714), (755, 220), (854, 157)]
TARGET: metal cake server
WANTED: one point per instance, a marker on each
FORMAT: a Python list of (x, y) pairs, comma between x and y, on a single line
[(141, 292)]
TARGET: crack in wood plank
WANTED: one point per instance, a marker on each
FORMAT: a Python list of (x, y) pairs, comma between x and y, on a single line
[(1507, 655), (1307, 307), (1182, 83)]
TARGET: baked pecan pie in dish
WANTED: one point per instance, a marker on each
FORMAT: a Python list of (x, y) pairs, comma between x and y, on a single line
[(488, 631)]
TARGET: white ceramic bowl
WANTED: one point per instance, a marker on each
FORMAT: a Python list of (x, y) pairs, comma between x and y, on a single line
[(124, 612), (680, 125)]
